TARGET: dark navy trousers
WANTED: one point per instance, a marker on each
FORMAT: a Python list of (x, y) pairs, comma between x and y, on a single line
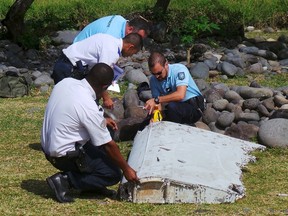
[(100, 171), (182, 112), (62, 68)]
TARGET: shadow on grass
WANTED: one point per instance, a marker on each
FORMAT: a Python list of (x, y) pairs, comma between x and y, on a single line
[(38, 187), (41, 188), (35, 146)]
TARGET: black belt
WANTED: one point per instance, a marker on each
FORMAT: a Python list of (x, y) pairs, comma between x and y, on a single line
[(78, 157), (79, 71), (54, 160), (78, 66), (78, 152)]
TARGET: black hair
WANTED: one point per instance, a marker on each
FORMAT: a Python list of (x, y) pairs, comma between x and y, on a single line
[(139, 23), (156, 57), (100, 75), (135, 39)]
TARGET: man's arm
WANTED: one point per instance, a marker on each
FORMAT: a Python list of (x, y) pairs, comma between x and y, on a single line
[(111, 123), (107, 101), (178, 95), (114, 153)]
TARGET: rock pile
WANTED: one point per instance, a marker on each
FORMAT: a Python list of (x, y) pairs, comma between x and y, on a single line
[(245, 112), (238, 111)]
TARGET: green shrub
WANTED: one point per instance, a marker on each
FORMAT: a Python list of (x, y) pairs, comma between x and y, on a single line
[(4, 7), (193, 28)]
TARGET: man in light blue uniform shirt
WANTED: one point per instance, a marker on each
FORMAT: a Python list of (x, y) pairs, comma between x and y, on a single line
[(172, 84), (114, 25)]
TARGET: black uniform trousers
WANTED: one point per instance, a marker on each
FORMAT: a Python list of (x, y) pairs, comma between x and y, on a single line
[(91, 170), (187, 112), (64, 68)]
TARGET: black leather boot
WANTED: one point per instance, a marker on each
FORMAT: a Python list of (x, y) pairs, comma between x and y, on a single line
[(59, 183)]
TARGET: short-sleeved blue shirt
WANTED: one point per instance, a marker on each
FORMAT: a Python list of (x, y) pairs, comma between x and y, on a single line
[(178, 75), (113, 25)]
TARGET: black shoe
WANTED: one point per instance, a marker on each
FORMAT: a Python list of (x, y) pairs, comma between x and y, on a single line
[(101, 191), (60, 185)]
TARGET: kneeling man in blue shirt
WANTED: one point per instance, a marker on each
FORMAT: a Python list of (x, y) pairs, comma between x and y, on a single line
[(173, 85)]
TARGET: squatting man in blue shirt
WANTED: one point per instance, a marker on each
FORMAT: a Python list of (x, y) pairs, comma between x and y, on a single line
[(75, 138), (172, 85)]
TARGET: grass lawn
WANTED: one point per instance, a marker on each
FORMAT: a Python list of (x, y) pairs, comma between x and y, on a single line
[(23, 190)]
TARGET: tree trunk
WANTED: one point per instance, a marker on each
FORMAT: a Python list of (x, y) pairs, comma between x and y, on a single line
[(162, 5), (14, 20)]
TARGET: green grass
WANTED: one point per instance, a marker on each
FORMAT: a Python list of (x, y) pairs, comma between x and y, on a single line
[(273, 35), (265, 80), (23, 190)]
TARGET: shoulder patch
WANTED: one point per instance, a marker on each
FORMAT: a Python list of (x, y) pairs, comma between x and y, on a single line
[(181, 75), (103, 124)]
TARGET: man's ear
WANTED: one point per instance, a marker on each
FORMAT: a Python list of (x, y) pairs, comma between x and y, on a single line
[(131, 46), (166, 62), (130, 29)]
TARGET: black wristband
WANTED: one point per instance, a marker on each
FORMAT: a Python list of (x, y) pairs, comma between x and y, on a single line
[(156, 100)]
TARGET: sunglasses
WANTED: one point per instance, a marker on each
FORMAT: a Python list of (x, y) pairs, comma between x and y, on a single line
[(158, 73)]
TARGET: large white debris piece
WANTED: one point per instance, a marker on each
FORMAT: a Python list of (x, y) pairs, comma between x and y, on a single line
[(183, 164)]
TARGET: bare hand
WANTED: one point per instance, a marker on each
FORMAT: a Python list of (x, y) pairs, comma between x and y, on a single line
[(108, 103), (111, 123), (131, 175), (149, 105)]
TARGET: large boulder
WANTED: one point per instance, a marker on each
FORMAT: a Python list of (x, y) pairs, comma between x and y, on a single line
[(273, 133)]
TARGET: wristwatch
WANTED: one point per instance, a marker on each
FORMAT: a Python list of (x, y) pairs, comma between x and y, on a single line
[(156, 100)]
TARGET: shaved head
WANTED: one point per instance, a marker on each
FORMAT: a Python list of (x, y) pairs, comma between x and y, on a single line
[(100, 75)]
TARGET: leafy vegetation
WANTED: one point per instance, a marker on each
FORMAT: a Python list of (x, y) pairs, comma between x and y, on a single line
[(45, 17), (192, 28)]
